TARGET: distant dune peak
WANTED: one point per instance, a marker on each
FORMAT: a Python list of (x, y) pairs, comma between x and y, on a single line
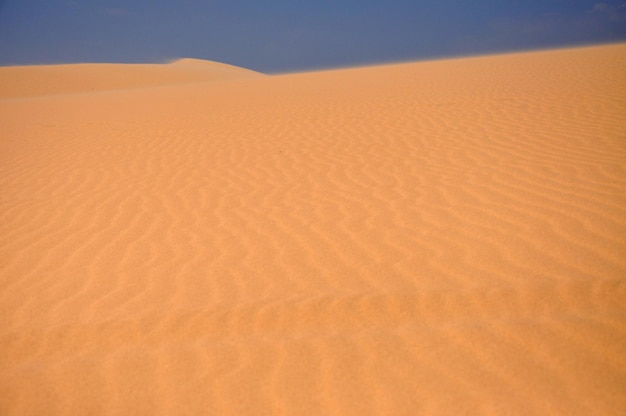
[(208, 64), (196, 61), (42, 80)]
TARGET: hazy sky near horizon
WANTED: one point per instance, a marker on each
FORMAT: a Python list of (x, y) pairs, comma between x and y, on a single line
[(282, 35)]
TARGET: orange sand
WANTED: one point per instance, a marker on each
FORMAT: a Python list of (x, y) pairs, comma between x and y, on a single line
[(434, 238)]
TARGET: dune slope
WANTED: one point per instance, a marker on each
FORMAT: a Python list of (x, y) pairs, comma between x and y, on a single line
[(436, 238)]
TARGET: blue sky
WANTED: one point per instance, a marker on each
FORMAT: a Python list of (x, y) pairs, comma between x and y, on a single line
[(281, 35)]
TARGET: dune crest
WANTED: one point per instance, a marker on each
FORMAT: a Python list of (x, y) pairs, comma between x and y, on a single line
[(210, 65), (432, 238)]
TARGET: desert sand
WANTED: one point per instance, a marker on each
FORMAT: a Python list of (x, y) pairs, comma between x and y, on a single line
[(427, 238)]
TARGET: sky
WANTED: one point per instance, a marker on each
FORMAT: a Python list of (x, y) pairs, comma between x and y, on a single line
[(274, 36)]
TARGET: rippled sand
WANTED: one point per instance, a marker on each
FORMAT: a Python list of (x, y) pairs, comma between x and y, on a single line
[(430, 238)]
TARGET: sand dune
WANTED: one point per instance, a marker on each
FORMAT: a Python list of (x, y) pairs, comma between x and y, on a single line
[(43, 80), (431, 238)]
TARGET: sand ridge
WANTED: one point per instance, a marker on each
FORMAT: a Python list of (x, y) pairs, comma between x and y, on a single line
[(436, 238)]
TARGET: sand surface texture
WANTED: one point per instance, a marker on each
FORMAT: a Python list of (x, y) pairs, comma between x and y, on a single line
[(433, 238)]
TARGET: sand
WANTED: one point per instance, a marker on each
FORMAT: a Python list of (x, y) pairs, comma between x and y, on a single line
[(428, 238)]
